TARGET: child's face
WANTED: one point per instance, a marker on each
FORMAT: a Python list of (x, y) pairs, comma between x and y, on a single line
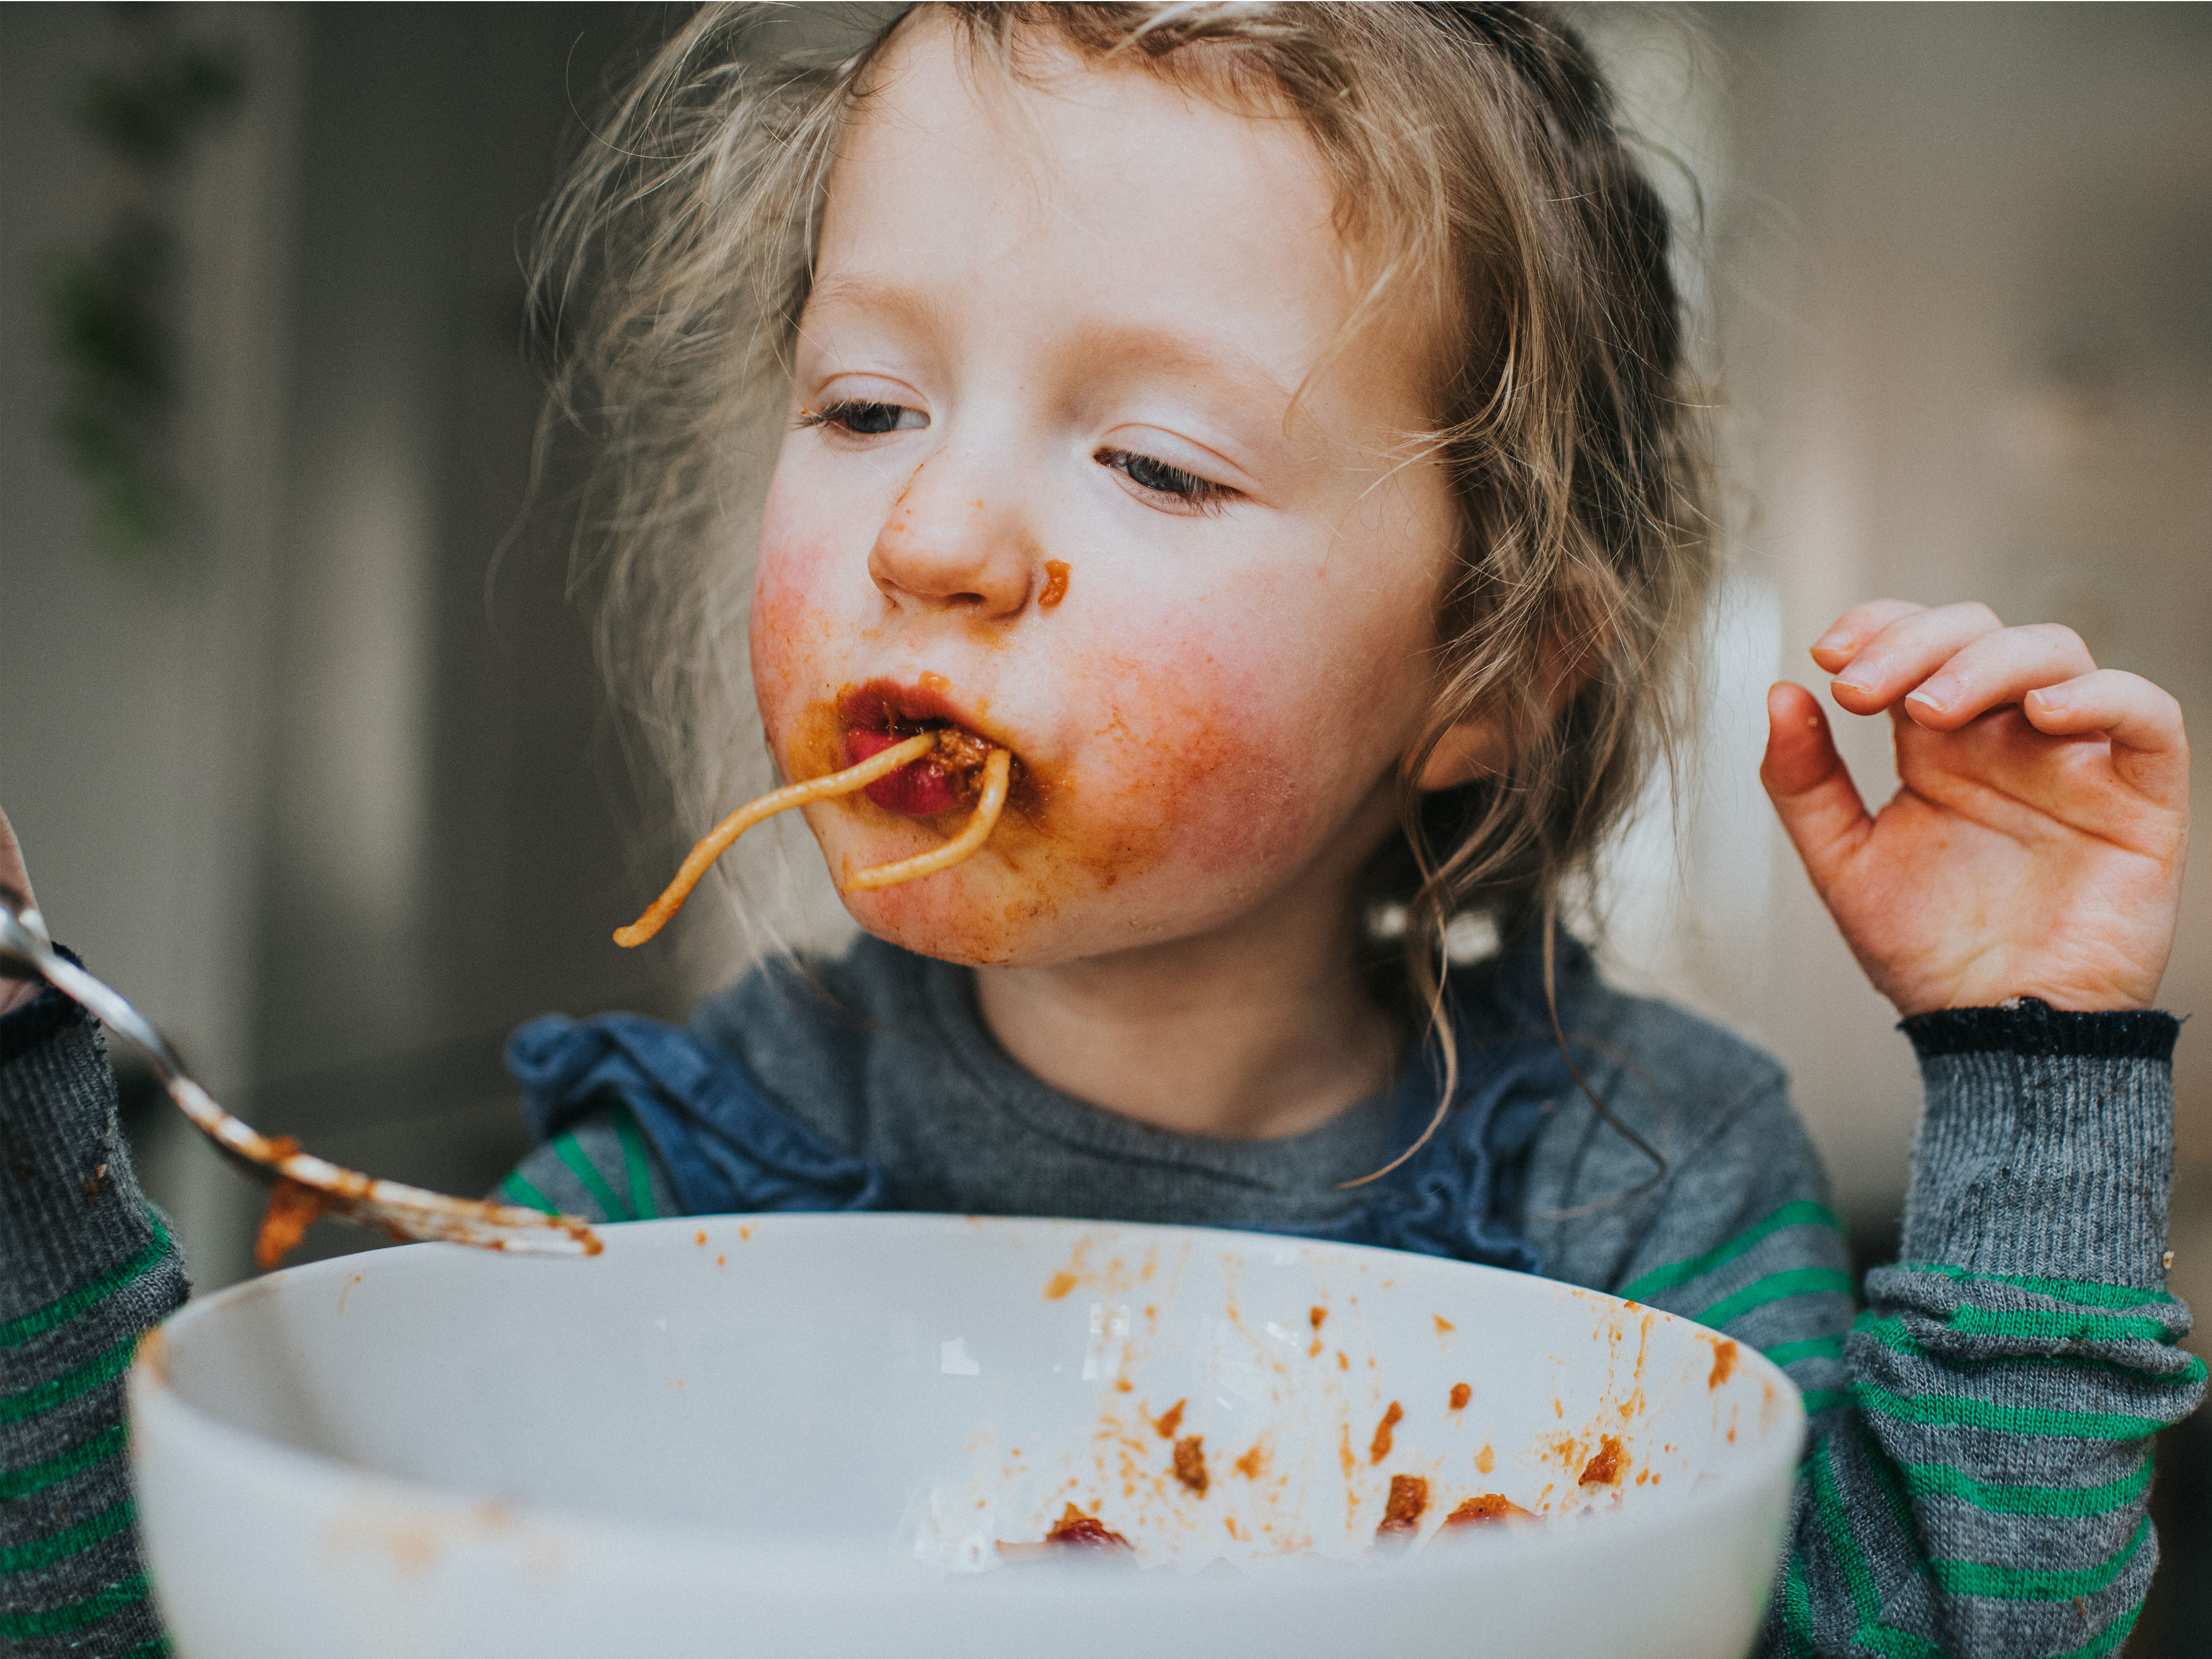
[(1063, 500)]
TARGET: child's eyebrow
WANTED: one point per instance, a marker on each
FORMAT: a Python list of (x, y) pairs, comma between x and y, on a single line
[(914, 307), (1176, 352)]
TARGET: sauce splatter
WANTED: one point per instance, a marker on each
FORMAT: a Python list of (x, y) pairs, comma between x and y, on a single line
[(1081, 1531), (292, 1210), (1252, 1463), (1460, 1394), (1487, 1509), (1075, 1530), (1055, 584), (1058, 1285), (1402, 1511), (1190, 1463), (1604, 1468), (1723, 1363), (1381, 1447), (700, 1237), (1170, 1419), (1442, 1324), (1317, 1317), (1486, 1459)]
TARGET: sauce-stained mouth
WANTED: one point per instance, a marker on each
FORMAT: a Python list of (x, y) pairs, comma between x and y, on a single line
[(883, 713)]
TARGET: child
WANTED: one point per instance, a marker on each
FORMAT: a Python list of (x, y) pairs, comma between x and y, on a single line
[(1268, 423)]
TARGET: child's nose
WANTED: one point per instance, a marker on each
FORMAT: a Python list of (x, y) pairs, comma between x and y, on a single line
[(952, 541)]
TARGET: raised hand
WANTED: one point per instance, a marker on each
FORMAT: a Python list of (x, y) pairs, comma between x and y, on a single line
[(2034, 846)]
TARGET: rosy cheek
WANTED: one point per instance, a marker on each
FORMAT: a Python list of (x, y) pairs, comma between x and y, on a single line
[(793, 633), (1197, 765)]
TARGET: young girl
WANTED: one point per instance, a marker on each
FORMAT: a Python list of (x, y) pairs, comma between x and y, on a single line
[(1269, 425)]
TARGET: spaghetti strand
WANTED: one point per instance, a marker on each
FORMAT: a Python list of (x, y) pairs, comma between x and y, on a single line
[(997, 768), (658, 913)]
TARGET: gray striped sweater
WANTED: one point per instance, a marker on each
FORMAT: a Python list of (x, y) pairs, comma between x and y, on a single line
[(1978, 1464)]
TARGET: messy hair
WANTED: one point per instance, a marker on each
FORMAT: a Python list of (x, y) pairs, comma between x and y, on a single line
[(1480, 175)]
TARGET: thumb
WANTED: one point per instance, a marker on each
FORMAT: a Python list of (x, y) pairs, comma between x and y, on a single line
[(1810, 786)]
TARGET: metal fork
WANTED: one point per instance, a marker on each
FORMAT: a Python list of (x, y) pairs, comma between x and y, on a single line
[(305, 1186)]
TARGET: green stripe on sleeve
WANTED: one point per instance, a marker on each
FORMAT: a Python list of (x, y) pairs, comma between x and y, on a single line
[(59, 1545), (1942, 1480), (2064, 1290), (22, 1483), (566, 1149), (1825, 1399), (634, 1162), (1796, 1611), (517, 1189), (45, 1396), (2036, 1584), (57, 1621), (1812, 1347), (1959, 1410), (1802, 1213), (16, 1331), (1796, 1281)]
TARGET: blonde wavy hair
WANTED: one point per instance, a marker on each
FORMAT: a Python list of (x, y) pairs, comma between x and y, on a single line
[(1482, 174)]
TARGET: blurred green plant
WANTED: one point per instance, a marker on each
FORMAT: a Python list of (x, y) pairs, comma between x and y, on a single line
[(108, 306)]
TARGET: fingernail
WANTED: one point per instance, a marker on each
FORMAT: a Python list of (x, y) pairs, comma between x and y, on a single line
[(1834, 640), (1922, 697), (1848, 685)]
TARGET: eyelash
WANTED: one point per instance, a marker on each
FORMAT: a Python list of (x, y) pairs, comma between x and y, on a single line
[(1154, 477), (840, 414), (1201, 495)]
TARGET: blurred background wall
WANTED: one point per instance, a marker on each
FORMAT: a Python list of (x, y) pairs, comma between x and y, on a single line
[(321, 784)]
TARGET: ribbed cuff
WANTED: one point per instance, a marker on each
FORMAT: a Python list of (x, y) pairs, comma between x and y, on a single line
[(25, 1027), (2029, 1025), (2046, 1148)]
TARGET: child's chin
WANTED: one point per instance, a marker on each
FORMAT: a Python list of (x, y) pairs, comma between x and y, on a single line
[(957, 927)]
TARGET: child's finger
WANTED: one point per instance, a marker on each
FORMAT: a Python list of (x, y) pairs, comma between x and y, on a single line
[(1906, 653), (1994, 670), (1850, 632), (2150, 746), (1810, 786)]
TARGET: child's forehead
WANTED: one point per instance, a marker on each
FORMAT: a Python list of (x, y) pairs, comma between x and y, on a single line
[(1050, 119), (1139, 202)]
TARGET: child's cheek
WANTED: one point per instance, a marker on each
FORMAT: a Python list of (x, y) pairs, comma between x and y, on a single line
[(798, 641)]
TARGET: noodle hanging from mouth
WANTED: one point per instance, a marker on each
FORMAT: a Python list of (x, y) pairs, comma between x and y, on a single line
[(996, 770), (998, 767)]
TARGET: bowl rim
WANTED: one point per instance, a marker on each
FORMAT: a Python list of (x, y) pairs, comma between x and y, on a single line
[(156, 1403)]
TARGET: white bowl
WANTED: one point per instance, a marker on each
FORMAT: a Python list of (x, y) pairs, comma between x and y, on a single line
[(807, 1435)]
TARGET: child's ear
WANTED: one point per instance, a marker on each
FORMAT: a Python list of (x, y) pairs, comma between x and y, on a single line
[(1469, 748)]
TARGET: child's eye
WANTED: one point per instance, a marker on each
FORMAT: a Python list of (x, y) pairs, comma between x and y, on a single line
[(1161, 479), (865, 420)]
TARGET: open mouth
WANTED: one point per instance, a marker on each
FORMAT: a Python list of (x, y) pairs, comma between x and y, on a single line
[(901, 741), (948, 778)]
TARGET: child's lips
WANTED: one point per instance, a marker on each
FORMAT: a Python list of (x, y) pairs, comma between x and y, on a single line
[(880, 714)]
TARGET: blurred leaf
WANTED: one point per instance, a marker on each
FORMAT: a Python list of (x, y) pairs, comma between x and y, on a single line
[(104, 305)]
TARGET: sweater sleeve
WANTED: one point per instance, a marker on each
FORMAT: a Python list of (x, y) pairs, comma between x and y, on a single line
[(603, 1168), (1978, 1471), (86, 1264)]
